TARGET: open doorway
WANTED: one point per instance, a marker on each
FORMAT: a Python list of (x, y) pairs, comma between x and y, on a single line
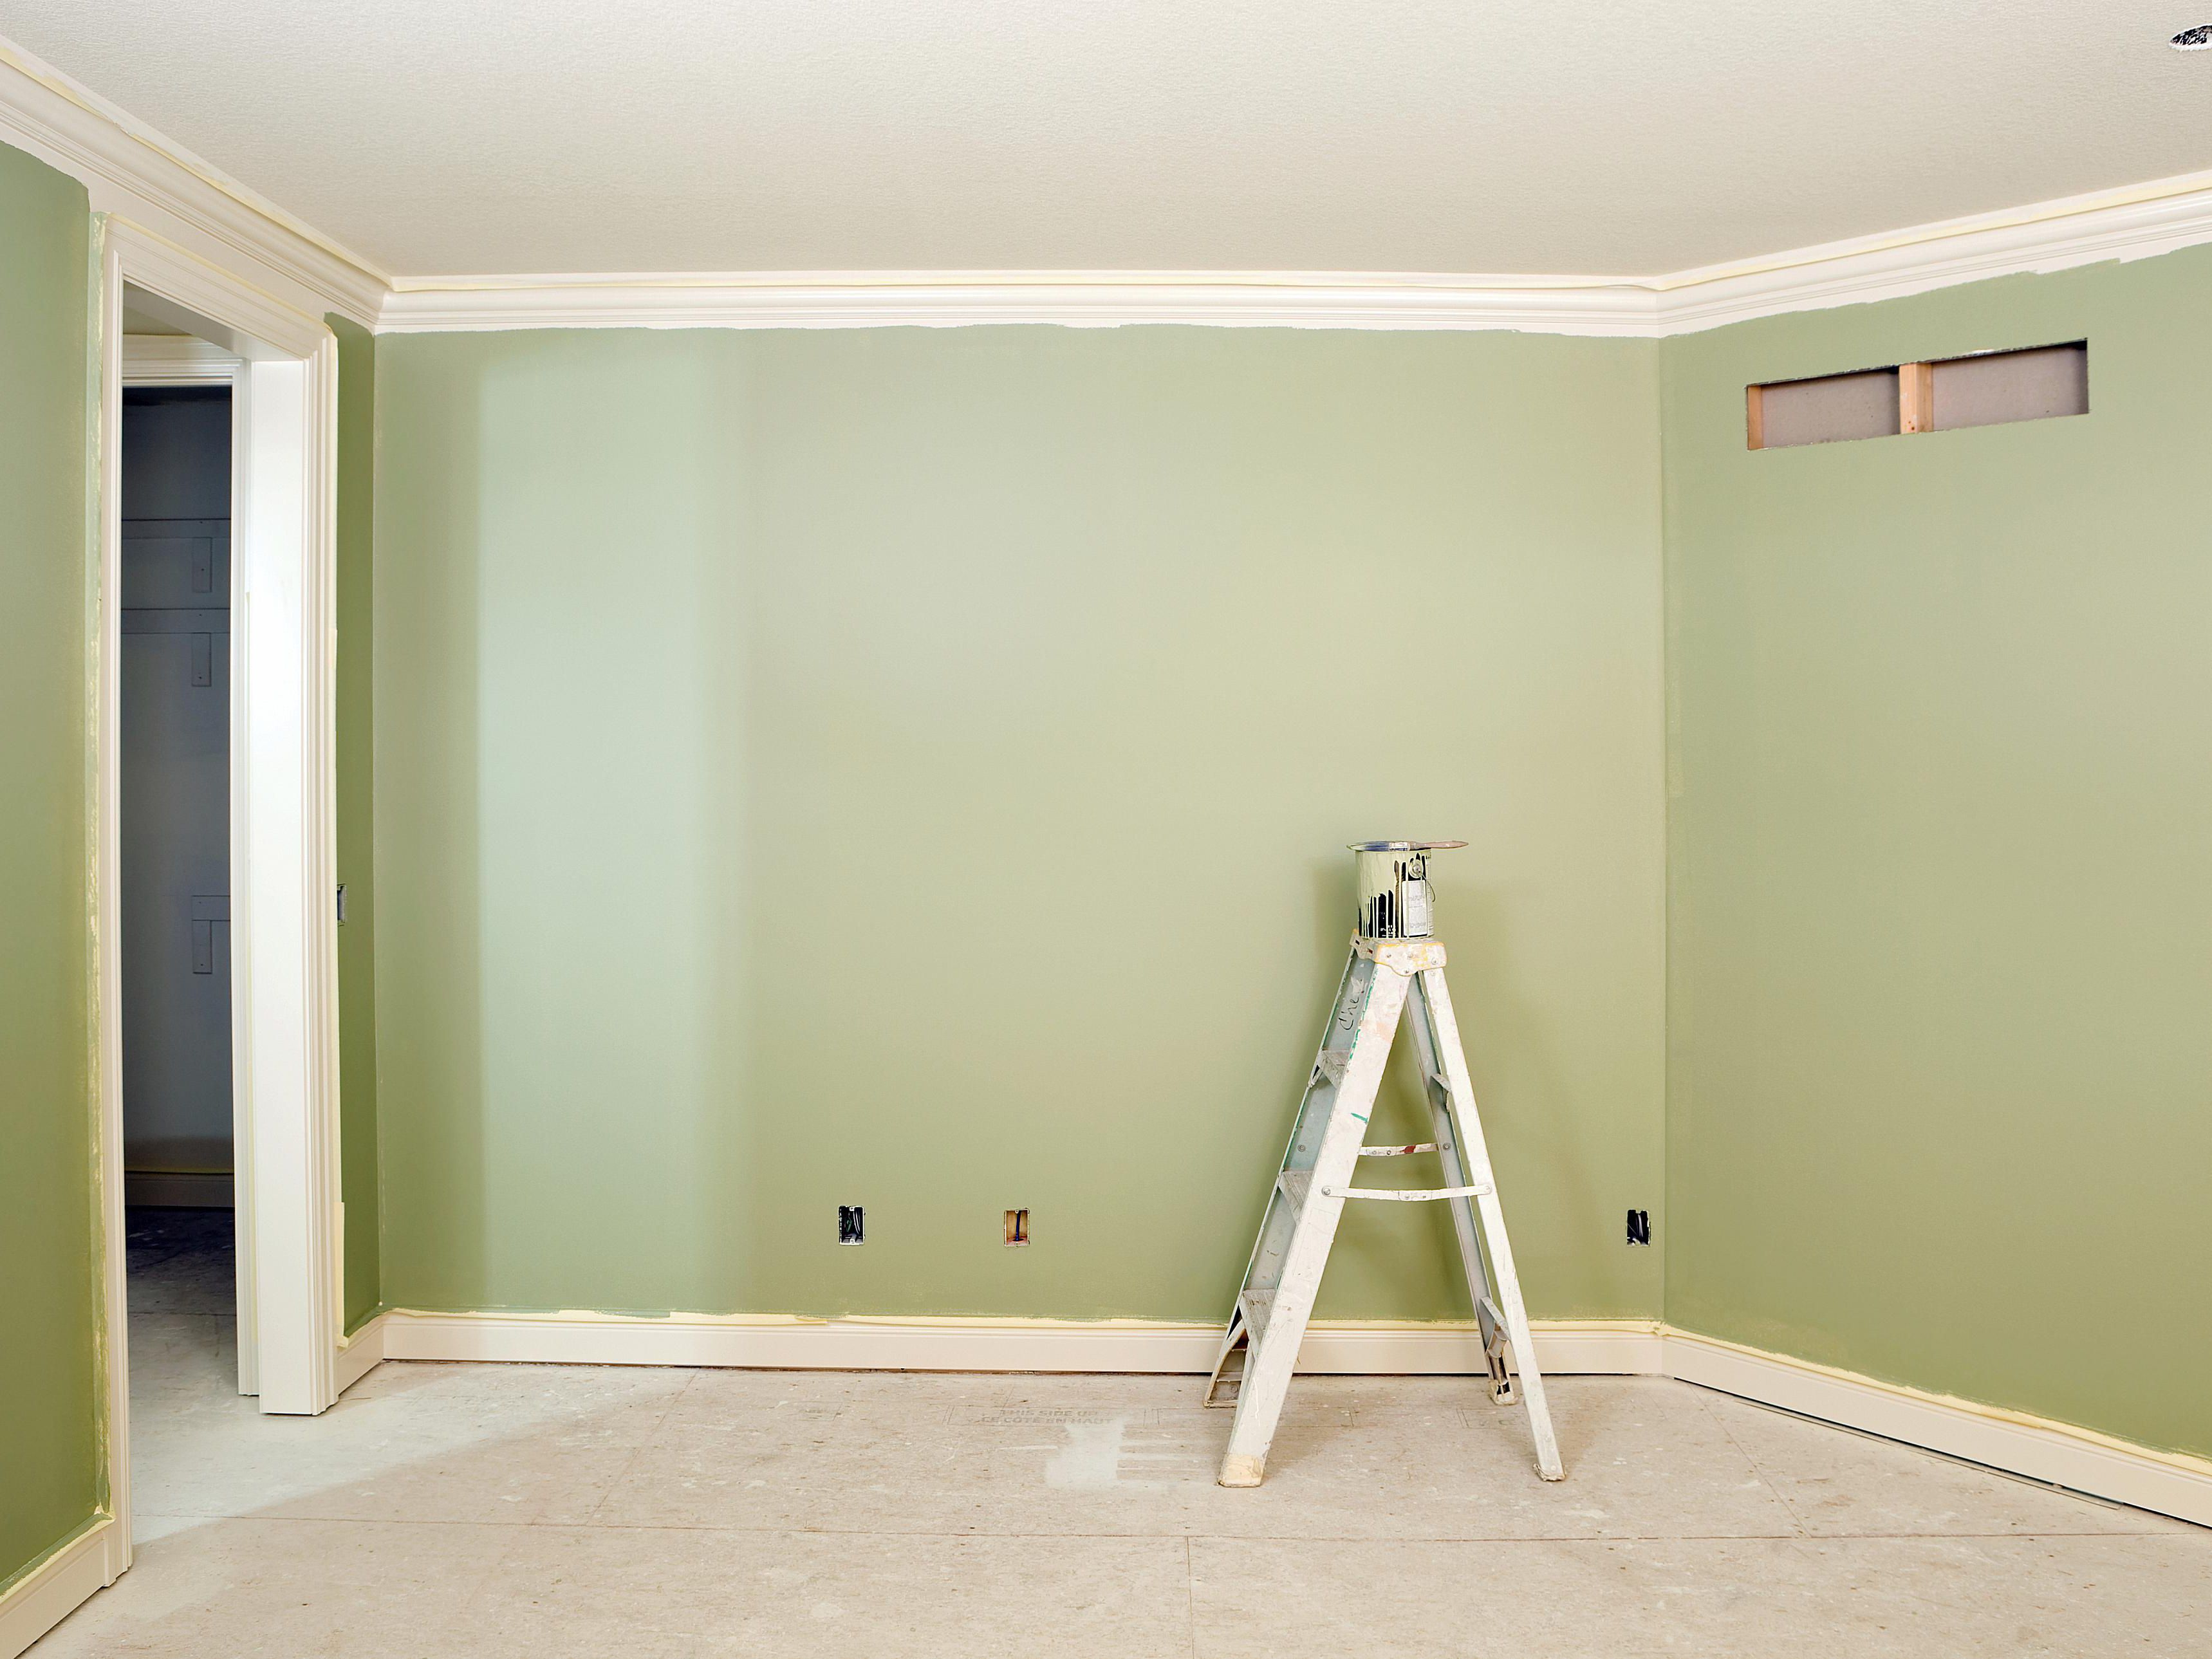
[(174, 670), (214, 914)]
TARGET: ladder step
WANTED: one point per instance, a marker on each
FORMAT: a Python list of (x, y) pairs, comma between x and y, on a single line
[(1330, 1063), (1256, 1308), (1401, 1151), (1296, 1185), (1410, 1194)]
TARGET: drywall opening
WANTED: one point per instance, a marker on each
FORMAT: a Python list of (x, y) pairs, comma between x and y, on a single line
[(1830, 410), (1017, 1227), (2034, 383), (2039, 385)]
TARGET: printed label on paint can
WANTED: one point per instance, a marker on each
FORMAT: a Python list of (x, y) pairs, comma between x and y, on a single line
[(1420, 914)]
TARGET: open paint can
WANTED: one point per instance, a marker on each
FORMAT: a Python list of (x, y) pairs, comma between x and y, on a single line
[(1394, 895)]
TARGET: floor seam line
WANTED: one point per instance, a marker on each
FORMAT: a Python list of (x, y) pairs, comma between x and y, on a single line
[(1190, 1597), (638, 1450), (1773, 1491), (1187, 1537)]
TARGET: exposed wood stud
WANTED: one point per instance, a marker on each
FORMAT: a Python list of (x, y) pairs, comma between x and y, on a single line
[(1754, 416), (1916, 397)]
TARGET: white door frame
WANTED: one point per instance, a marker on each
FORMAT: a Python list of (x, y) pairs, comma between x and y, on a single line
[(283, 850)]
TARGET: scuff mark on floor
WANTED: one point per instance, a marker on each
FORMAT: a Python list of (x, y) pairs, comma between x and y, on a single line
[(1092, 1459)]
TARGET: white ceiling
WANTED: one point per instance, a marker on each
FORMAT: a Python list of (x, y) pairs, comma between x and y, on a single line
[(439, 138)]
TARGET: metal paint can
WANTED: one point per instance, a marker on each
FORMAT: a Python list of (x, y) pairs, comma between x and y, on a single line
[(1392, 895)]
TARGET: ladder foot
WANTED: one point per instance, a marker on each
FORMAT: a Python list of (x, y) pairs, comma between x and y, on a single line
[(1238, 1471), (1502, 1389)]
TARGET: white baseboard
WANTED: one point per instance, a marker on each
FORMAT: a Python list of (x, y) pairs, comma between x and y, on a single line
[(169, 1189), (2079, 1459), (361, 1354), (49, 1592), (782, 1342)]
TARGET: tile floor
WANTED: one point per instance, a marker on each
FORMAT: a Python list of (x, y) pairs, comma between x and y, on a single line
[(553, 1510)]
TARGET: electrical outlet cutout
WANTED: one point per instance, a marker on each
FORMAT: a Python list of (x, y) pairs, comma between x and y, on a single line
[(848, 1224), (1018, 1226), (1639, 1226)]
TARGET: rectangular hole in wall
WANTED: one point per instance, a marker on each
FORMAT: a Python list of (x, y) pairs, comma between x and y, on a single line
[(2037, 383), (1018, 1226), (2013, 386), (1828, 411)]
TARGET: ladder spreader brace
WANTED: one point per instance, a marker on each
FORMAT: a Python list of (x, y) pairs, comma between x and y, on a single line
[(1387, 970)]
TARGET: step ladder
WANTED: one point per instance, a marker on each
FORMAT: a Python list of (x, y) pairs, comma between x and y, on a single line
[(1392, 963)]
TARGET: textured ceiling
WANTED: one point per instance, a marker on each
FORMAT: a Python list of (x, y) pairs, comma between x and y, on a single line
[(449, 136)]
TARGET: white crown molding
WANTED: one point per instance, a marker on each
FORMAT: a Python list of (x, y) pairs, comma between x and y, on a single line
[(2039, 1448), (2136, 222), (1103, 299), (134, 172), (2124, 224)]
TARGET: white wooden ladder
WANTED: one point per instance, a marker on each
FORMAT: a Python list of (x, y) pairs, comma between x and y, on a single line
[(1269, 1320)]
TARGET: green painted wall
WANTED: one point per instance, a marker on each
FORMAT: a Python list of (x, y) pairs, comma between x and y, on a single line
[(356, 791), (1940, 934), (909, 767), (51, 1477)]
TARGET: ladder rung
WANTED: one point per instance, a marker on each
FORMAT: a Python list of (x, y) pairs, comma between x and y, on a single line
[(1295, 1183), (1410, 1194), (1330, 1063), (1401, 1151), (1255, 1316)]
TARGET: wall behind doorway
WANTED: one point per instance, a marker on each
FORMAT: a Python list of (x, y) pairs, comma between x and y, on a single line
[(175, 795)]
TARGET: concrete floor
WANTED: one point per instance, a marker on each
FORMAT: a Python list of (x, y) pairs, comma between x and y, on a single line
[(549, 1511)]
